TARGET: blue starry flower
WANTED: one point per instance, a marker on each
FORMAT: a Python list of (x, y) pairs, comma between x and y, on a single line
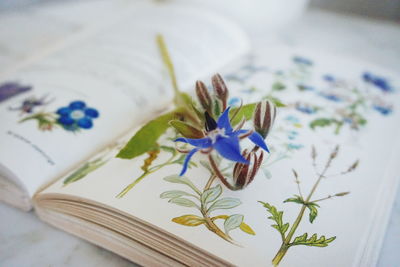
[(331, 97), (77, 116), (378, 81), (221, 137), (302, 61), (304, 108), (384, 110), (329, 78)]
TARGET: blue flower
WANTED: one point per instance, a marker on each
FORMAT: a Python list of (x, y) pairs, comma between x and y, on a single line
[(77, 115), (384, 110), (328, 78), (380, 82), (331, 97), (302, 61), (307, 109), (221, 137)]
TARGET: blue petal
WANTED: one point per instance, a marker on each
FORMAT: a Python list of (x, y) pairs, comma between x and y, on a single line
[(77, 105), (200, 143), (187, 160), (66, 120), (224, 123), (257, 139), (229, 148), (64, 111), (91, 112), (85, 123)]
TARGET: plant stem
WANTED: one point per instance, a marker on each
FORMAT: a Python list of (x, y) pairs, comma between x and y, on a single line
[(144, 174), (286, 243), (209, 223)]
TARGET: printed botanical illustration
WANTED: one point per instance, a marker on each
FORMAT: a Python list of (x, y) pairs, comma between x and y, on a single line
[(10, 89), (331, 101), (92, 164), (307, 203), (73, 117)]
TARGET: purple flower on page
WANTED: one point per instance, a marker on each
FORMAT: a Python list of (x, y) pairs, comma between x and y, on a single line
[(10, 89), (223, 138)]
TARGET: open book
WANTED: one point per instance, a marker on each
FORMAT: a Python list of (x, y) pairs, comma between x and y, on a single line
[(334, 136)]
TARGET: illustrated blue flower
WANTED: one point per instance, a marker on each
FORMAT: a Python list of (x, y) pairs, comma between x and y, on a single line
[(384, 110), (304, 108), (328, 78), (221, 137), (380, 82), (302, 61), (331, 97), (76, 116)]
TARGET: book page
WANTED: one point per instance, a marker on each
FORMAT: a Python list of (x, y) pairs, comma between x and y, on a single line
[(329, 101), (95, 88)]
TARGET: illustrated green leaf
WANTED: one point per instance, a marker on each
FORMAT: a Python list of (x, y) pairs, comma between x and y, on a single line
[(211, 194), (313, 211), (189, 220), (174, 194), (233, 222), (182, 180), (296, 199), (146, 138), (312, 241), (183, 202), (321, 122), (278, 86), (247, 229), (225, 203), (83, 171), (246, 111), (276, 101), (186, 130), (277, 218)]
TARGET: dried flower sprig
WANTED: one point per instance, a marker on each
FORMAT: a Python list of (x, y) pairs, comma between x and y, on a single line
[(306, 203), (220, 136), (209, 125)]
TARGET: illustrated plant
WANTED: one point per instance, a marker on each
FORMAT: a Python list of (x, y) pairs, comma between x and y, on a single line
[(73, 118), (307, 203), (206, 201)]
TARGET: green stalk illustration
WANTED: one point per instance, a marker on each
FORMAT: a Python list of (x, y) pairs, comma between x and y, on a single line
[(306, 203)]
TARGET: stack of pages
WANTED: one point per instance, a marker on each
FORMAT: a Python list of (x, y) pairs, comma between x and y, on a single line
[(67, 112)]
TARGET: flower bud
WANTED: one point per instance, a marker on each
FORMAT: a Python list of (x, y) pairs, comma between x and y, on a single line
[(203, 96), (221, 91), (264, 117), (243, 174)]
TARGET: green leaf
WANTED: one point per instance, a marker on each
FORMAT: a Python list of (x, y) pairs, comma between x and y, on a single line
[(313, 212), (186, 130), (182, 180), (246, 111), (146, 138), (276, 101), (277, 218), (233, 222), (225, 203), (83, 171), (183, 202), (211, 194), (313, 241), (189, 220), (321, 122), (278, 86), (296, 199), (174, 194)]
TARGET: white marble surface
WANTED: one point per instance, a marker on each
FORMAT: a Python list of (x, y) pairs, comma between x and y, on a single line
[(26, 241)]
